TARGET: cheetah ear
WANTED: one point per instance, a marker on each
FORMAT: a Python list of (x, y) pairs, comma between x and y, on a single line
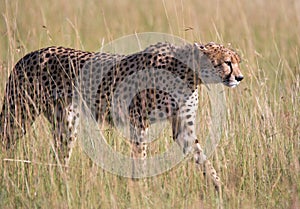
[(201, 47)]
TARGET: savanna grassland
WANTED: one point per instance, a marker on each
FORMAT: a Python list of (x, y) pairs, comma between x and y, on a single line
[(259, 153)]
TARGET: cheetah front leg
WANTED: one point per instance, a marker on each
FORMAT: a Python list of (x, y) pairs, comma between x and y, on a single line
[(184, 134), (205, 164)]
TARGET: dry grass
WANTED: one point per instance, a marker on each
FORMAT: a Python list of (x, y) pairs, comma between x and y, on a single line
[(258, 158)]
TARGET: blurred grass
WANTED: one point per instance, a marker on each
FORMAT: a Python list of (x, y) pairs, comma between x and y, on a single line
[(258, 157)]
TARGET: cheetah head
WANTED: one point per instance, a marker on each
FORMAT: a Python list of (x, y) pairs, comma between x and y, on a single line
[(219, 64)]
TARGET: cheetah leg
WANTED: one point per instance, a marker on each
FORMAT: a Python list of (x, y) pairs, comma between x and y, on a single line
[(65, 121), (138, 151), (16, 116), (184, 135), (207, 168), (72, 122), (11, 127)]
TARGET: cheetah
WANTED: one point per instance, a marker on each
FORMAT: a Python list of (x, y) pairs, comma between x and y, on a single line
[(46, 81)]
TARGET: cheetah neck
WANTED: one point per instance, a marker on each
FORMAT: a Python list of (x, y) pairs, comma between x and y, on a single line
[(191, 57)]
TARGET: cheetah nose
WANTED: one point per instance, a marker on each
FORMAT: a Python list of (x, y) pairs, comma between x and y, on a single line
[(239, 78)]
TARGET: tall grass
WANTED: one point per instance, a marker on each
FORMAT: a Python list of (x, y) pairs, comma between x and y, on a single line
[(258, 157)]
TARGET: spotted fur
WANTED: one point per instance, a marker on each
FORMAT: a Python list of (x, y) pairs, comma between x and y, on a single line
[(44, 82)]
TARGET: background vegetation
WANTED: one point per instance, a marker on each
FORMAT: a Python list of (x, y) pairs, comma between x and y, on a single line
[(258, 158)]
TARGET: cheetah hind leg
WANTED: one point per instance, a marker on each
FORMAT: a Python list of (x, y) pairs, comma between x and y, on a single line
[(72, 123), (138, 152), (65, 121), (207, 167)]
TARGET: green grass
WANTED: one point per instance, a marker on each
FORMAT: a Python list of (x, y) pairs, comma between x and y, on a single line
[(258, 157)]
